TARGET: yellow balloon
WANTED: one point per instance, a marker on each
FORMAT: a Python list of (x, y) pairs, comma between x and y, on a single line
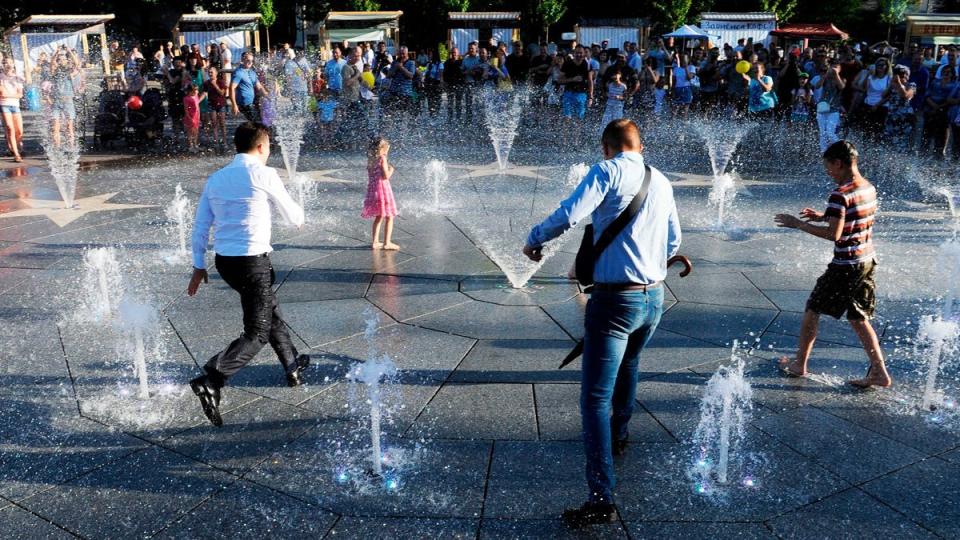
[(743, 66), (367, 79)]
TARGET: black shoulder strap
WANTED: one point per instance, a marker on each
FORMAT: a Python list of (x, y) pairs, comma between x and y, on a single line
[(625, 217)]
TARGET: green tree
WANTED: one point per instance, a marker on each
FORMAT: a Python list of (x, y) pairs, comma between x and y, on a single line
[(673, 12), (550, 12), (892, 12), (784, 9), (365, 5), (267, 16), (458, 5)]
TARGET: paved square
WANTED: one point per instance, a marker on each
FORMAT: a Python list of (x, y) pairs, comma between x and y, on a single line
[(481, 431)]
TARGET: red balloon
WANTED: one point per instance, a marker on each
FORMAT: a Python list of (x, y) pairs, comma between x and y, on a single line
[(134, 103)]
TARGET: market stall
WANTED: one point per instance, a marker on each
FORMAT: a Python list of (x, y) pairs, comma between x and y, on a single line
[(46, 33), (733, 26), (933, 29), (238, 30), (493, 27), (614, 31), (359, 26), (804, 34), (690, 35)]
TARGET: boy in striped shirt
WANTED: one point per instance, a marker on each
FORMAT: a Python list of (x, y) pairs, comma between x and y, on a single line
[(847, 286)]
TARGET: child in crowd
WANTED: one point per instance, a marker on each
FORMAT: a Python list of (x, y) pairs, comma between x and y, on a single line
[(660, 94), (616, 93), (379, 203), (216, 91), (847, 286), (191, 116), (800, 112), (326, 113)]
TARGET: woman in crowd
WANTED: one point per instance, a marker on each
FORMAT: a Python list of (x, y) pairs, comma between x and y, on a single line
[(683, 74), (762, 99), (898, 130), (11, 92), (433, 82), (874, 112), (942, 94)]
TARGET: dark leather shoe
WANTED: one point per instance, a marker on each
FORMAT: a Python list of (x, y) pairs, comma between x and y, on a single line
[(293, 376), (209, 396), (590, 514), (620, 446)]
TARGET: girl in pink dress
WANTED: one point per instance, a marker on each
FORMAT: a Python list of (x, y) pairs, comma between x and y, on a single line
[(191, 116), (379, 203)]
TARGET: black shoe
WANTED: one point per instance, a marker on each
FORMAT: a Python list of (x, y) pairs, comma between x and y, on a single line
[(620, 446), (209, 399), (293, 376), (590, 514)]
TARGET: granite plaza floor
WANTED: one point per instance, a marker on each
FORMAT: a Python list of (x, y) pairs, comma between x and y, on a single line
[(483, 427)]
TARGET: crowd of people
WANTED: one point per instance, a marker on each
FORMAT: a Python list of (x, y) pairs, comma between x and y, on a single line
[(908, 99)]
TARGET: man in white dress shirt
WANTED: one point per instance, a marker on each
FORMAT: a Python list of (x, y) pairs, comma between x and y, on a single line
[(236, 203)]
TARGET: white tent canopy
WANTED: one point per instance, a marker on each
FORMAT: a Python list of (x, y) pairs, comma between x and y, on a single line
[(687, 31)]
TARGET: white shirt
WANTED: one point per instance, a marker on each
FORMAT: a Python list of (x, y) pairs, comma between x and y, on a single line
[(226, 57), (236, 203), (368, 57)]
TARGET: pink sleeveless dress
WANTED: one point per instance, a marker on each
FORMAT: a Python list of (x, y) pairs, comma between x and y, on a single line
[(379, 200)]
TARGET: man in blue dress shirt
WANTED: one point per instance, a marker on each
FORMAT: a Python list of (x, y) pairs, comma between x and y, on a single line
[(626, 303), (236, 202)]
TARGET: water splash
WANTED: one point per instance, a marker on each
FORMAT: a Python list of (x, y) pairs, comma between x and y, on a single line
[(722, 140), (575, 174), (290, 126), (502, 114), (102, 286), (724, 413), (940, 333), (178, 211), (138, 335), (373, 373), (437, 176)]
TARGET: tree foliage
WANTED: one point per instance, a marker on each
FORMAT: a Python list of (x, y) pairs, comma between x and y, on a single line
[(268, 16), (365, 5), (674, 13), (784, 9), (550, 12), (893, 11), (458, 5)]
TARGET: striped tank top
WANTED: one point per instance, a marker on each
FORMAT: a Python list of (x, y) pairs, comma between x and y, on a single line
[(856, 204)]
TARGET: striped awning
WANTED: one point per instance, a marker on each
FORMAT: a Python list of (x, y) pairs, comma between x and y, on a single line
[(745, 16), (484, 15)]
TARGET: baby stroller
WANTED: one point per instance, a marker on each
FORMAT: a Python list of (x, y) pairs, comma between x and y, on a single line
[(108, 125), (145, 125)]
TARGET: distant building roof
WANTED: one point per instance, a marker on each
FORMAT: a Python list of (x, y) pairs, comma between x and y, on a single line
[(68, 23), (615, 22), (362, 19), (744, 16), (484, 15), (810, 30), (240, 18)]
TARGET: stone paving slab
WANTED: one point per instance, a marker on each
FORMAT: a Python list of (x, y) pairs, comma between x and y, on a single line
[(699, 531), (247, 511), (517, 361), (526, 529), (848, 450), (442, 478), (402, 404), (535, 480), (495, 411), (28, 526), (728, 289), (849, 515), (726, 323), (135, 496), (485, 321), (537, 292), (404, 297), (384, 528), (558, 416), (653, 486), (934, 494)]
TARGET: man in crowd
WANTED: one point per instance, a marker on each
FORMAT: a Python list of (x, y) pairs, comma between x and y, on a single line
[(453, 80), (244, 88), (236, 202), (627, 300), (518, 64), (333, 72), (578, 86), (472, 77)]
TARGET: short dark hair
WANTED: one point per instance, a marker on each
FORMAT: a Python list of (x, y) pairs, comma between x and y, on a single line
[(843, 151), (622, 133), (248, 135)]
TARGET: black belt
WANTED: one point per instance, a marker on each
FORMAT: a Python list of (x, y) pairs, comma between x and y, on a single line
[(621, 287), (243, 256)]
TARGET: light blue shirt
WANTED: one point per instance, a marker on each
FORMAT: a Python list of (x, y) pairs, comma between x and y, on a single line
[(236, 203), (639, 253), (334, 72)]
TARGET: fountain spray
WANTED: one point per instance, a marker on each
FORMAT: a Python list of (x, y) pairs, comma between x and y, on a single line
[(502, 113), (724, 413), (941, 332), (178, 211), (437, 176), (137, 330), (721, 145), (372, 373), (102, 285)]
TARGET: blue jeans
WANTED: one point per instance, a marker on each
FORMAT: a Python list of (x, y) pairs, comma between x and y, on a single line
[(618, 327), (574, 104)]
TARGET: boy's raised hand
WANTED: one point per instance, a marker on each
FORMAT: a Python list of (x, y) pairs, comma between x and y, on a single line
[(810, 214), (787, 220)]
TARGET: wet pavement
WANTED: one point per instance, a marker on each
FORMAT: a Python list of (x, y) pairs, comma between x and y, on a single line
[(483, 426)]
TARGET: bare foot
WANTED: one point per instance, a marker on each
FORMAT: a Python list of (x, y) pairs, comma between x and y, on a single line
[(791, 368), (390, 246), (377, 245), (878, 377)]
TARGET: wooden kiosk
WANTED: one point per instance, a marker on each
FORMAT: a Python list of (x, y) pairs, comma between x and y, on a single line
[(46, 33), (483, 27)]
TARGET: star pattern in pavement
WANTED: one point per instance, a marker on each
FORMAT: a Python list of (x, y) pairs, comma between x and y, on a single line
[(55, 211)]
